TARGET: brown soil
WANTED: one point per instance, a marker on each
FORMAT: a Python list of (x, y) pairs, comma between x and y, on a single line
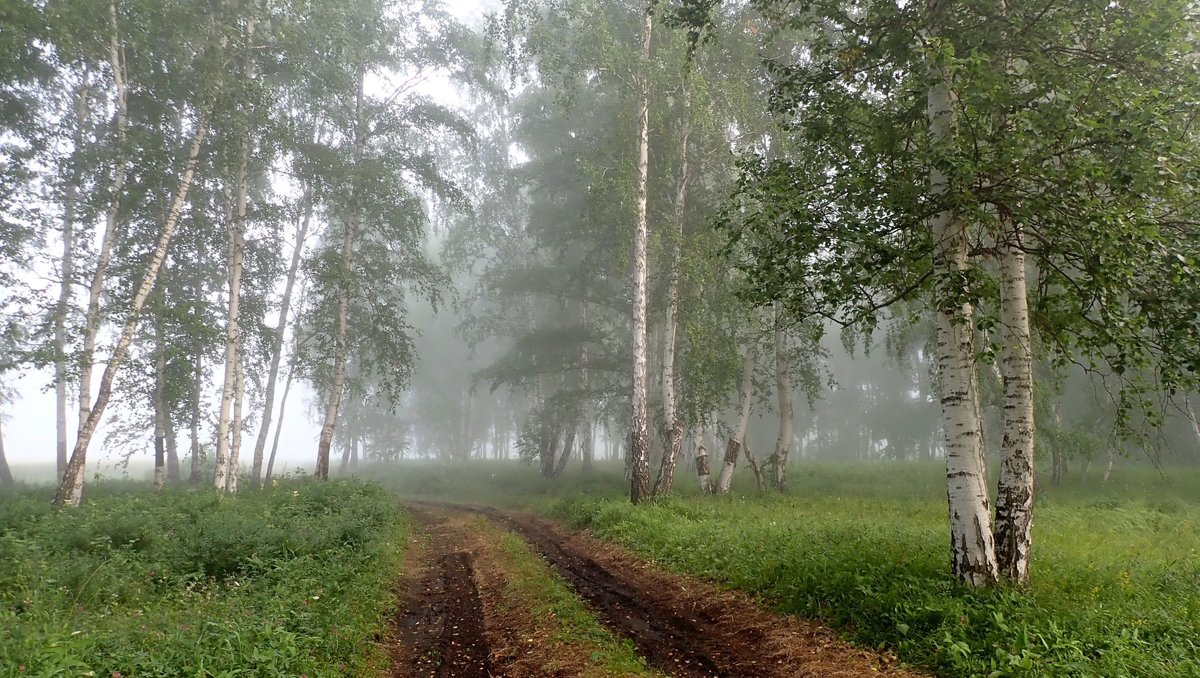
[(440, 631), (681, 625), (686, 627), (505, 637)]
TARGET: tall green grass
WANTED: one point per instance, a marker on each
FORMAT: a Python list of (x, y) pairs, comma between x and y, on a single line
[(1116, 570), (294, 581)]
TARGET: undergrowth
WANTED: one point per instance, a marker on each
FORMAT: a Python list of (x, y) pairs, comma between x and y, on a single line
[(1116, 568), (294, 581)]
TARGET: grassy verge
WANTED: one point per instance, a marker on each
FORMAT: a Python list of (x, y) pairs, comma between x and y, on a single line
[(295, 581), (1116, 568)]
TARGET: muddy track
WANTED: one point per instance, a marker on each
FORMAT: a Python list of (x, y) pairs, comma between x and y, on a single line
[(441, 627), (682, 626), (682, 645)]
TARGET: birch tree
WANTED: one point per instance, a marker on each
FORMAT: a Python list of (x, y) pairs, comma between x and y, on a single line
[(640, 444), (1044, 174), (71, 487)]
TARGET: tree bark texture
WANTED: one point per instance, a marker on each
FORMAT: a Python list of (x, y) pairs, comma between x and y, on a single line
[(236, 256), (639, 481), (738, 437), (235, 446), (66, 286), (91, 325), (973, 556), (1014, 499), (670, 459)]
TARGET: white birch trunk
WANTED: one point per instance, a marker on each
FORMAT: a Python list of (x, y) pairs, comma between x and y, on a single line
[(66, 286), (1014, 499), (1191, 415), (738, 437), (70, 491), (225, 476), (973, 557), (235, 256), (91, 326), (341, 347), (639, 481), (277, 344), (235, 448), (666, 470)]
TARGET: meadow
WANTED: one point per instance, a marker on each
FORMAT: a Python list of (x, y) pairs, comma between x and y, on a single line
[(1116, 570), (294, 581)]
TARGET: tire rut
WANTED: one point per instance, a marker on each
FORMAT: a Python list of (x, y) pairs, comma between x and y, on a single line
[(683, 646), (441, 628)]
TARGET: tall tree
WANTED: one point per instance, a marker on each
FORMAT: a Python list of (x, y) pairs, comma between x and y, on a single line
[(640, 442)]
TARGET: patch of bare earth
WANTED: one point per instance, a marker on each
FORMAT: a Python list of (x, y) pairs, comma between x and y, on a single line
[(439, 630), (686, 627), (514, 642)]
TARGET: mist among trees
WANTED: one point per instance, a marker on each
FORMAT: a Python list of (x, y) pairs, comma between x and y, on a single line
[(695, 238)]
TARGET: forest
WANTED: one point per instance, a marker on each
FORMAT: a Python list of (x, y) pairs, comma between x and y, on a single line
[(485, 337)]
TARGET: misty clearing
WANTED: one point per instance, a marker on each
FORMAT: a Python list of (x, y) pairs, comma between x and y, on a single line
[(563, 338)]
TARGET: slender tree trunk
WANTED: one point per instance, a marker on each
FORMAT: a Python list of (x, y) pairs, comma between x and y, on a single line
[(91, 326), (639, 482), (277, 341), (566, 451), (1112, 459), (70, 202), (6, 476), (973, 556), (341, 348), (287, 388), (666, 470), (70, 491), (236, 234), (1058, 460), (1191, 415), (1014, 500), (703, 474), (738, 437), (755, 467), (160, 406), (783, 389), (235, 448)]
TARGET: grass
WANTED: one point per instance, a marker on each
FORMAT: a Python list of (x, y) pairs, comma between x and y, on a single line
[(1116, 570), (294, 581)]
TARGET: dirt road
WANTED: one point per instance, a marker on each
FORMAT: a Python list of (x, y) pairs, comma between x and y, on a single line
[(680, 626)]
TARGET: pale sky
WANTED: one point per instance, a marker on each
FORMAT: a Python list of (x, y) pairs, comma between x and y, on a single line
[(28, 421)]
